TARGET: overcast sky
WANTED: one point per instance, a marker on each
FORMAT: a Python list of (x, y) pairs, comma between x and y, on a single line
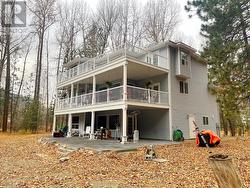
[(188, 28)]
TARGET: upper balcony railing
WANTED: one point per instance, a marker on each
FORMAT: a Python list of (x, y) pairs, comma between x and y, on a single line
[(136, 53), (135, 94)]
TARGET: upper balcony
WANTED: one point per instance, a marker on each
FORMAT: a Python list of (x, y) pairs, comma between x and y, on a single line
[(114, 96), (154, 58)]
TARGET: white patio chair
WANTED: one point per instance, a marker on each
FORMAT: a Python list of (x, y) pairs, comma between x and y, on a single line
[(87, 132)]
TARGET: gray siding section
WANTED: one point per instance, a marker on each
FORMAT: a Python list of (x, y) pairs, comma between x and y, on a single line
[(198, 101), (154, 124), (162, 79)]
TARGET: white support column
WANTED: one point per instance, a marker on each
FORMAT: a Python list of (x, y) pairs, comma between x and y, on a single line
[(124, 125), (136, 121), (54, 124), (92, 125), (169, 94), (83, 122), (77, 89), (94, 90), (69, 125), (125, 77), (72, 90), (71, 94)]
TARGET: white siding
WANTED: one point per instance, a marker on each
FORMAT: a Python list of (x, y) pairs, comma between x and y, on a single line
[(198, 101)]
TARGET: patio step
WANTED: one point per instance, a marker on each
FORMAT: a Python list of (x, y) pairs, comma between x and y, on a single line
[(65, 150)]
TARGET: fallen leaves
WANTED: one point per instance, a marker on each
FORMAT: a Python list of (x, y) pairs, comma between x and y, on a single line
[(26, 163)]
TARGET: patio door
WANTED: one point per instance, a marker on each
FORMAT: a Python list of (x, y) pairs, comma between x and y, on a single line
[(191, 118), (154, 94), (101, 122)]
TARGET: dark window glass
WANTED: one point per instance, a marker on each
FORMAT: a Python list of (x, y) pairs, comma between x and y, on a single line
[(205, 120), (181, 87), (113, 121), (75, 119), (186, 87)]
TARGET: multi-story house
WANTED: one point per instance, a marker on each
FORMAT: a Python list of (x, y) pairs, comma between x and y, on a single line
[(155, 90)]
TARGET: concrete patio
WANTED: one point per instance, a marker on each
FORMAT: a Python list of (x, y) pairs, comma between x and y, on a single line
[(106, 145)]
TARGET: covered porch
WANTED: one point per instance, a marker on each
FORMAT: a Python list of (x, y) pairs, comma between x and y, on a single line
[(127, 124)]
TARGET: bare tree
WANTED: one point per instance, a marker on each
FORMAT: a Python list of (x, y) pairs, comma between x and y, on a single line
[(107, 15), (83, 19), (47, 84), (161, 18), (43, 17), (26, 52), (129, 27), (68, 31), (9, 15)]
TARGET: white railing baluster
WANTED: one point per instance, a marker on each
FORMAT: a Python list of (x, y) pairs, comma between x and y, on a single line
[(115, 94)]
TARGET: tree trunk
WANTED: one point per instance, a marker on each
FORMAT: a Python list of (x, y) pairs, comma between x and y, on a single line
[(1, 69), (225, 172), (47, 93), (38, 81), (59, 60), (232, 128), (7, 84), (224, 124)]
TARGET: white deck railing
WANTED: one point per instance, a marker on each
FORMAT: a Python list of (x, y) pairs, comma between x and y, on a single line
[(136, 94), (139, 54), (146, 95)]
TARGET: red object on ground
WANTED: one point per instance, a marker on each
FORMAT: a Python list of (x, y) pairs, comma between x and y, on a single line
[(211, 138)]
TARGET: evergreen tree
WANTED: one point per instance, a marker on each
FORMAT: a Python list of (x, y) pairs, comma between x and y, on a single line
[(226, 25)]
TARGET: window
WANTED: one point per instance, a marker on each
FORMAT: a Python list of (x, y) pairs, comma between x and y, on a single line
[(186, 87), (149, 58), (205, 120), (75, 119), (75, 122), (184, 58), (155, 59), (183, 87)]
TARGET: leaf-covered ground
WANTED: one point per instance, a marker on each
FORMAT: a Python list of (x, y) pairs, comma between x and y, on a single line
[(26, 163)]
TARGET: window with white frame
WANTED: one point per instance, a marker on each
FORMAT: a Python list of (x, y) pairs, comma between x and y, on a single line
[(183, 87), (184, 58), (205, 120), (75, 122), (149, 58)]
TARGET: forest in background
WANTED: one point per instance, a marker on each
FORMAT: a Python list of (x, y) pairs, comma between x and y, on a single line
[(26, 100)]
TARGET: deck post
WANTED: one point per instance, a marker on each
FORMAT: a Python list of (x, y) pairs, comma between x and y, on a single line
[(69, 125), (71, 94), (92, 126), (94, 90), (54, 125), (124, 125), (125, 77), (82, 124)]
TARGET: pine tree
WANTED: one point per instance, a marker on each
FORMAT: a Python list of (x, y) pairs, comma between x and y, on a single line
[(226, 25)]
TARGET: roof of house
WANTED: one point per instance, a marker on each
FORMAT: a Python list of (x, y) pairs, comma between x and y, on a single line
[(151, 47)]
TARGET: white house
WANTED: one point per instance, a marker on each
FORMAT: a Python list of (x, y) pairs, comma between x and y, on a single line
[(153, 90)]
